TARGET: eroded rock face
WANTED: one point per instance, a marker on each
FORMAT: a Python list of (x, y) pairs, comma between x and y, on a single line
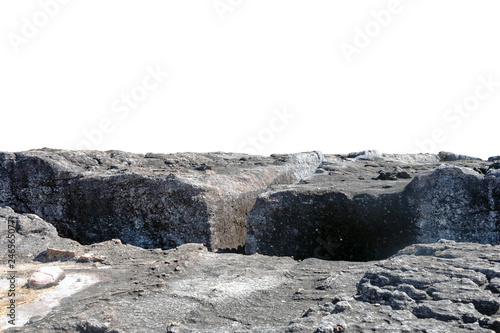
[(368, 207), (361, 206), (152, 200), (455, 203)]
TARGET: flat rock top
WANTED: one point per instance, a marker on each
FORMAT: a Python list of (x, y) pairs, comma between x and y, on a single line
[(375, 175), (119, 162)]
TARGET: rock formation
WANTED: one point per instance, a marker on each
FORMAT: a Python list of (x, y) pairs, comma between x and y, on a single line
[(368, 207), (142, 240), (152, 200)]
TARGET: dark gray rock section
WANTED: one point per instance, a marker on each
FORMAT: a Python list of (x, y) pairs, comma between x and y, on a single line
[(152, 200), (455, 203), (448, 156), (368, 207)]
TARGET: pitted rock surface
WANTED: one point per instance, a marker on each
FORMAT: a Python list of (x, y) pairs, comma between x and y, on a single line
[(440, 287)]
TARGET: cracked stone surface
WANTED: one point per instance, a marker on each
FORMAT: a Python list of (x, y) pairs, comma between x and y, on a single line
[(440, 287)]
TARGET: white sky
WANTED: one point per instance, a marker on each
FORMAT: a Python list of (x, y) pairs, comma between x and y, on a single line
[(234, 65)]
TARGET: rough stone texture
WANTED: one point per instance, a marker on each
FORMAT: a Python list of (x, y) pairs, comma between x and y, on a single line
[(33, 235), (439, 287), (364, 205), (361, 206), (152, 200), (456, 203), (370, 206)]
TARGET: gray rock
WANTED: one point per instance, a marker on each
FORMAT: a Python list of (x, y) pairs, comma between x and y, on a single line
[(33, 236), (350, 214), (345, 212), (151, 200), (447, 157), (365, 153), (441, 287)]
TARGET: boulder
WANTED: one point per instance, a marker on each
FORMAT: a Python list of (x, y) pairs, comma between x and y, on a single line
[(46, 277)]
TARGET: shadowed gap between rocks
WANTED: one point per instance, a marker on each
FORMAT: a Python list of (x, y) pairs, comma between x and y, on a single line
[(332, 226)]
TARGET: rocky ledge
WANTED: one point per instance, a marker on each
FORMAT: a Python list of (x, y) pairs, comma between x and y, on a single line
[(369, 206), (360, 206), (221, 242), (152, 200)]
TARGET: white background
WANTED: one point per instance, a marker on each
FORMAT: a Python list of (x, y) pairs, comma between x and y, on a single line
[(233, 64)]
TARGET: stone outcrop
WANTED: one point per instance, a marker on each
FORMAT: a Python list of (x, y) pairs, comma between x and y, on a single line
[(152, 200), (369, 206), (360, 206)]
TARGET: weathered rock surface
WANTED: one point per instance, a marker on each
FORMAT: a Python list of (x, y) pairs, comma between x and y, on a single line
[(152, 200), (369, 206), (33, 235), (361, 206), (438, 287)]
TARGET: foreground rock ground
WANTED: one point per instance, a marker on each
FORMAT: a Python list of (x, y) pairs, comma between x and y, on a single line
[(112, 287), (156, 242)]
